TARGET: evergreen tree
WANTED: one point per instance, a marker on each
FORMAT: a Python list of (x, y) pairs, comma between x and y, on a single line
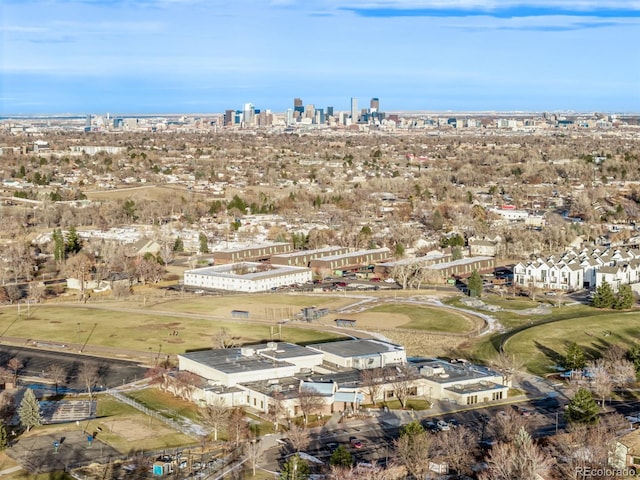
[(29, 410), (437, 221), (411, 429), (204, 243), (73, 241), (475, 284), (178, 245), (633, 355), (341, 457), (575, 359), (295, 469), (129, 209), (624, 298), (59, 247), (582, 408), (604, 296), (4, 437)]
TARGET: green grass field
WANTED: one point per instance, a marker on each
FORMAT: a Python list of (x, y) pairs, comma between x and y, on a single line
[(426, 318), (136, 329), (542, 346)]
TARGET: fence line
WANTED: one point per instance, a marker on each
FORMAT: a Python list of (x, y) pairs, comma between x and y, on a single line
[(152, 413)]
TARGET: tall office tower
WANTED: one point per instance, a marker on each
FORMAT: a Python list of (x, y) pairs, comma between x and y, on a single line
[(229, 117), (310, 111), (248, 114), (289, 116), (354, 110), (329, 111), (374, 105), (319, 117), (298, 109)]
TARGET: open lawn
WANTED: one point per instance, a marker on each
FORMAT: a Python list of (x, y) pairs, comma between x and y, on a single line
[(416, 317), (541, 347), (138, 329), (126, 429), (260, 306), (165, 403), (517, 312), (145, 192)]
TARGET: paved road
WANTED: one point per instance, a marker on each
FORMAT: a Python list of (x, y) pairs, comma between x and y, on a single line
[(112, 372)]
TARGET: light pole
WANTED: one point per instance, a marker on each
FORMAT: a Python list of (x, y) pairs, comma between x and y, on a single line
[(158, 357), (78, 336)]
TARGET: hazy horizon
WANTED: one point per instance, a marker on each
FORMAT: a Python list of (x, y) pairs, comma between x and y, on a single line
[(191, 56)]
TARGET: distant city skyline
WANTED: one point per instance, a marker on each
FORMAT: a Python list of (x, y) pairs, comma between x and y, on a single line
[(209, 56)]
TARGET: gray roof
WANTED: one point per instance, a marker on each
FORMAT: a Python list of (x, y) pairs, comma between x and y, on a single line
[(454, 371), (255, 271), (356, 348), (264, 357)]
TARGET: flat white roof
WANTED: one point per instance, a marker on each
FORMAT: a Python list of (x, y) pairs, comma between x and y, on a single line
[(307, 252), (255, 270), (251, 247)]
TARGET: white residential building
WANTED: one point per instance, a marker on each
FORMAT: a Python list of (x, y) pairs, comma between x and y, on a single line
[(580, 268), (246, 277)]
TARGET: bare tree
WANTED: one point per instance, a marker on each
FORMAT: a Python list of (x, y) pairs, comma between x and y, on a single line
[(36, 291), (14, 364), (508, 365), (414, 452), (403, 383), (185, 384), (457, 448), (215, 415), (506, 426), (310, 401), (57, 374), (79, 267), (13, 293), (584, 447), (521, 459), (298, 437), (276, 409), (621, 371), (254, 452), (223, 339), (372, 379), (89, 376), (237, 428), (166, 252), (601, 382)]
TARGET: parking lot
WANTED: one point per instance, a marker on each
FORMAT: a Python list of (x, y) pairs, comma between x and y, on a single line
[(35, 363)]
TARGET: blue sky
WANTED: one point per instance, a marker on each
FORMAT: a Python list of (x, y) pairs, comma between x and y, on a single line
[(203, 56)]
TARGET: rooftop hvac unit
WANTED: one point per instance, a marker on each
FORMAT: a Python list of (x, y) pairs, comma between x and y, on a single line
[(247, 352)]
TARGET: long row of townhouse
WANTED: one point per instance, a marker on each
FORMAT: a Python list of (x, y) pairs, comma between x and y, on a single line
[(576, 269)]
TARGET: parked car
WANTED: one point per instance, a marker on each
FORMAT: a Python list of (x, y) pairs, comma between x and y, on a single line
[(355, 443), (443, 426), (332, 446), (431, 426)]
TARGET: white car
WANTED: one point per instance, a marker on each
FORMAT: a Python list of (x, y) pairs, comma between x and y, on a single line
[(443, 426)]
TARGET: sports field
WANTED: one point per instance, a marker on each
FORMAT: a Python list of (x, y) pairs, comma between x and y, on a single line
[(416, 317), (541, 347), (128, 328)]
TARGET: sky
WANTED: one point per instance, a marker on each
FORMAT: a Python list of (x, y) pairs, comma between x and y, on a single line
[(206, 56)]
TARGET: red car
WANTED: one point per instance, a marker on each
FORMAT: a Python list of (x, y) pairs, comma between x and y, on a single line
[(355, 443)]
